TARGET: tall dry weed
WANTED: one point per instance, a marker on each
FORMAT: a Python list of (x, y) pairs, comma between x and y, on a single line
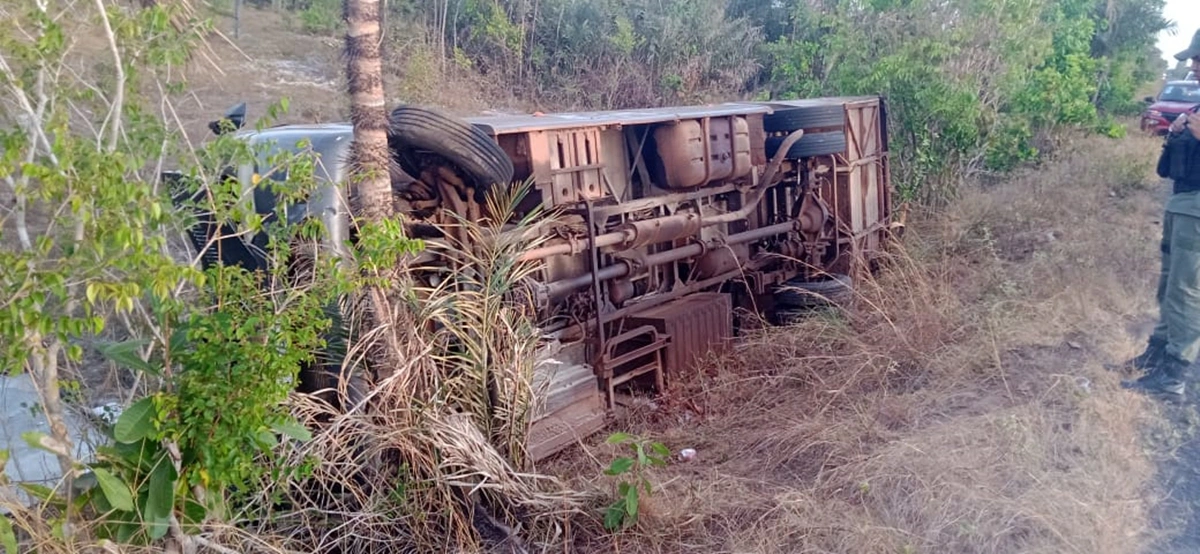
[(432, 460)]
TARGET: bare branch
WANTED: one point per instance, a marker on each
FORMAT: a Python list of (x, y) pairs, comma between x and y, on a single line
[(115, 110)]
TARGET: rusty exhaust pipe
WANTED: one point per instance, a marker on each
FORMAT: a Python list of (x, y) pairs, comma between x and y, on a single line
[(768, 176), (631, 235), (558, 289)]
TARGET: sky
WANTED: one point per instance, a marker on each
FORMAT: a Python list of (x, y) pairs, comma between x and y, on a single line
[(1186, 15)]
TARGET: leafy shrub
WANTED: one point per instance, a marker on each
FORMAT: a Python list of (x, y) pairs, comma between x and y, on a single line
[(321, 17), (1010, 145), (633, 483)]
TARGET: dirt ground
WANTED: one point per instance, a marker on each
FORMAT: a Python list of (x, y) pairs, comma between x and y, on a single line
[(271, 58), (1178, 492), (1174, 444), (961, 406)]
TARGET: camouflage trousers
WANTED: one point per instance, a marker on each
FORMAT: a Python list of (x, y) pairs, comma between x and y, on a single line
[(1179, 287)]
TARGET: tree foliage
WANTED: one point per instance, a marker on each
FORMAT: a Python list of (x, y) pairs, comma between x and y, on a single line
[(973, 84), (88, 266)]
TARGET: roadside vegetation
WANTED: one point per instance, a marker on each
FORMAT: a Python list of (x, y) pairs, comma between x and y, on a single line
[(958, 405), (972, 84)]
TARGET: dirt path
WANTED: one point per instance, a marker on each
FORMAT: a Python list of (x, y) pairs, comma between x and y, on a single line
[(1177, 512), (1174, 441)]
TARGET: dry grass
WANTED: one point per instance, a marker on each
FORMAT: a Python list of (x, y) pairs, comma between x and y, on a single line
[(960, 407), (433, 459)]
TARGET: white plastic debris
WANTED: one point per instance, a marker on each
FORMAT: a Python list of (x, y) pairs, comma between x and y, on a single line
[(687, 454), (108, 413)]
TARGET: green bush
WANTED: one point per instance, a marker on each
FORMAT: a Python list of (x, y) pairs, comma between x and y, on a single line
[(321, 17), (969, 81)]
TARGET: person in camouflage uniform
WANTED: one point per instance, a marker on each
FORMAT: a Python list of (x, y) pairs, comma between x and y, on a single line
[(1175, 343)]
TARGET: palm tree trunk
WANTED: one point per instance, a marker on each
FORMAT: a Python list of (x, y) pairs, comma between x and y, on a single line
[(370, 184), (369, 181)]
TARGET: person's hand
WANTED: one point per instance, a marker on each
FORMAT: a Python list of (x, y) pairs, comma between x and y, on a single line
[(1177, 125), (1193, 123)]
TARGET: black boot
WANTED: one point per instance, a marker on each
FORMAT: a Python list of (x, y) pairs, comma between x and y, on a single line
[(1156, 350), (1162, 379)]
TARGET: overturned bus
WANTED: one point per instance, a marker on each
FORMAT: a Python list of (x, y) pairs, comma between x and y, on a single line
[(667, 220)]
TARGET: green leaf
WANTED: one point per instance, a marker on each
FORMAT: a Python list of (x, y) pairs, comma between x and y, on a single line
[(660, 449), (614, 515), (193, 512), (631, 502), (40, 492), (7, 537), (619, 466), (158, 527), (136, 422), (618, 438), (125, 354), (160, 499), (95, 497), (43, 442), (266, 439), (178, 340), (57, 525), (126, 531), (292, 429), (115, 490), (3, 459), (138, 455), (646, 486), (33, 439)]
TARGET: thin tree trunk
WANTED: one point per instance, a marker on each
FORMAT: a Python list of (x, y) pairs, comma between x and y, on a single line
[(371, 189), (532, 36), (444, 16), (43, 370), (454, 25), (368, 112)]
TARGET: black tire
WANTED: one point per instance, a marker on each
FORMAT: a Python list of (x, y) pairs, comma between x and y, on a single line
[(838, 290), (424, 137), (790, 119), (814, 144)]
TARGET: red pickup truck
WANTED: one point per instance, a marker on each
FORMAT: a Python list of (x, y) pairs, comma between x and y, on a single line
[(1176, 97)]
